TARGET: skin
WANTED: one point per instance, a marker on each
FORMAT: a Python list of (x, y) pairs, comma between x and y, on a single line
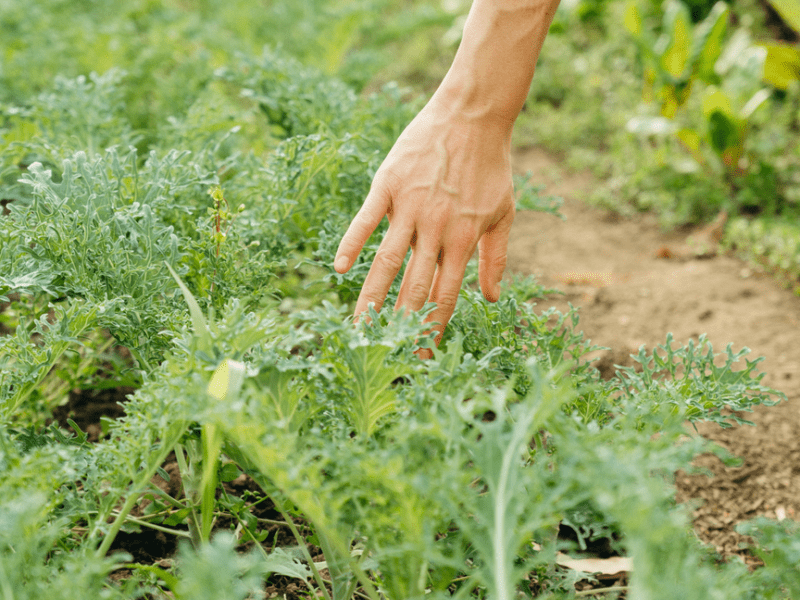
[(446, 185)]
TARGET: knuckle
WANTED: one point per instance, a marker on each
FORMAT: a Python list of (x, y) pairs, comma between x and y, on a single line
[(389, 259), (417, 291), (386, 180), (446, 299), (497, 262), (425, 254), (392, 179)]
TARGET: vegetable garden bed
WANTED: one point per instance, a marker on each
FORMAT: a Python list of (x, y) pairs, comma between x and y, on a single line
[(169, 225)]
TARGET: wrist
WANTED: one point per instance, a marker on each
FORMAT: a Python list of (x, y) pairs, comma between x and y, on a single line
[(466, 99)]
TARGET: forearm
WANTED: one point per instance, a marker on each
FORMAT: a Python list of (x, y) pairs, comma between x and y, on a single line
[(492, 70)]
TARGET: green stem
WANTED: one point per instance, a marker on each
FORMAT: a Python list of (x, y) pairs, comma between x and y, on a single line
[(177, 532), (252, 537), (313, 175), (141, 483), (343, 588), (366, 582), (156, 491), (188, 483), (143, 364), (608, 590), (211, 442), (64, 386), (247, 531), (130, 502), (5, 584), (26, 390), (303, 548)]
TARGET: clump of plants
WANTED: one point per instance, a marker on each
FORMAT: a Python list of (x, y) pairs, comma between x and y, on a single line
[(681, 108)]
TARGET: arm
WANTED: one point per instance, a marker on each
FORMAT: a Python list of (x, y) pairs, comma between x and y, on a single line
[(493, 68), (446, 184)]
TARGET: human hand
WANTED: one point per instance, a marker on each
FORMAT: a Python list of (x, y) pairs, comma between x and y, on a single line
[(446, 189)]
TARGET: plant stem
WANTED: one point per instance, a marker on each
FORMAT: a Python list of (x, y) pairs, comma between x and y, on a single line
[(303, 548), (177, 532), (143, 364), (130, 501), (64, 385), (5, 585), (252, 537), (608, 590), (189, 492), (365, 581), (171, 439)]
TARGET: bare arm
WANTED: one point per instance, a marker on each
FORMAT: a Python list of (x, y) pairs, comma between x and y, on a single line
[(446, 184), (493, 68)]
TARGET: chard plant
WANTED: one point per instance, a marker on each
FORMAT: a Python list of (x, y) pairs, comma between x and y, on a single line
[(685, 56), (710, 86)]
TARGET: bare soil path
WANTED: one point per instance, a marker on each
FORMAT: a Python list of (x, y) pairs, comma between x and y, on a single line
[(628, 296)]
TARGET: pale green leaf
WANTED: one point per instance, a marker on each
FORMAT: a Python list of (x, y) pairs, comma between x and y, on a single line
[(656, 126), (690, 138), (287, 564), (716, 100), (227, 380), (708, 40), (739, 42), (678, 23), (198, 320), (371, 398), (633, 20), (782, 65), (754, 103)]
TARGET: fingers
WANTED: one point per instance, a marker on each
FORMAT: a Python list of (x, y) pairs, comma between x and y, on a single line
[(385, 266), (447, 286), (361, 227), (492, 255), (417, 280)]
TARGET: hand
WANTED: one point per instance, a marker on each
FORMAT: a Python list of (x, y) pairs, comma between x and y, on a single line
[(446, 188)]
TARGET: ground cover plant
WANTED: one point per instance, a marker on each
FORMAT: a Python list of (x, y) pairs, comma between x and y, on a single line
[(170, 215)]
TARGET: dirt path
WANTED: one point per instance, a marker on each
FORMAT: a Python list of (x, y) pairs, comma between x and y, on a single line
[(608, 266)]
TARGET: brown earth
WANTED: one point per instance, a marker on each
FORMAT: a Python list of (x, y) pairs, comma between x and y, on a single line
[(614, 269)]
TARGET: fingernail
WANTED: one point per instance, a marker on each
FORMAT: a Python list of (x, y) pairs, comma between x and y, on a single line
[(341, 263)]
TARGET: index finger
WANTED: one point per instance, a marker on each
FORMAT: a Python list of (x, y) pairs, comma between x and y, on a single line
[(361, 227)]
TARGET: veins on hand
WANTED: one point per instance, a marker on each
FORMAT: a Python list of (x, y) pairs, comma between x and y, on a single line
[(441, 173)]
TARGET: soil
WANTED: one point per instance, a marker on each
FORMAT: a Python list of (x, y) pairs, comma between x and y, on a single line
[(634, 283)]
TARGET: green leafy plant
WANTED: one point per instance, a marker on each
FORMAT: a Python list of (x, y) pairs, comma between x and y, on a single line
[(778, 545), (775, 243), (686, 56), (682, 54), (689, 379)]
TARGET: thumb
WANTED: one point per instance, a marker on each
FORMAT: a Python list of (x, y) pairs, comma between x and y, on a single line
[(361, 227), (492, 255)]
